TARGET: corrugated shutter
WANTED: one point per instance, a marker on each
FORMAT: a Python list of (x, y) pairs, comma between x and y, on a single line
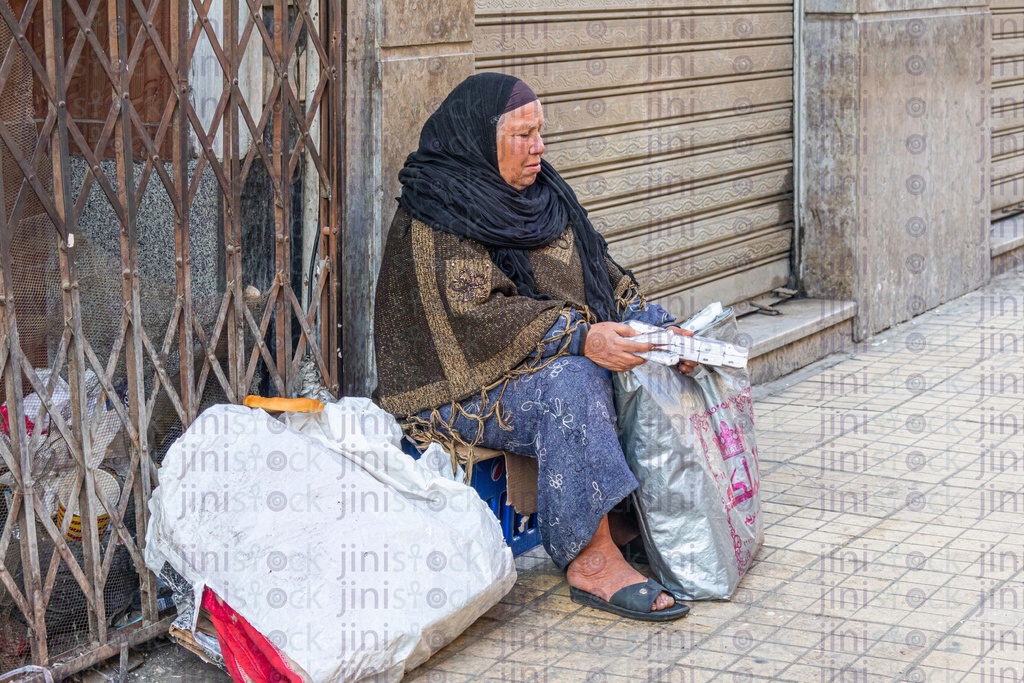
[(673, 125), (1007, 108)]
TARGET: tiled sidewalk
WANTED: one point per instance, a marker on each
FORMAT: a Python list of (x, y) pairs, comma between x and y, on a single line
[(893, 491)]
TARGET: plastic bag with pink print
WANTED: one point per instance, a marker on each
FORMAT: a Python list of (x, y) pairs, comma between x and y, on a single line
[(690, 441)]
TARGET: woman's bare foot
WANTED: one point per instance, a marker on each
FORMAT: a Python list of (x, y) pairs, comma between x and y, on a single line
[(601, 569), (623, 527)]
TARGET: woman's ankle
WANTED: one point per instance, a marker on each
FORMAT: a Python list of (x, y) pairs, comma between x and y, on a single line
[(623, 527), (591, 562)]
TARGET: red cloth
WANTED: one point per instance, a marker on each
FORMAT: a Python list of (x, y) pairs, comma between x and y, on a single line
[(5, 422), (248, 655)]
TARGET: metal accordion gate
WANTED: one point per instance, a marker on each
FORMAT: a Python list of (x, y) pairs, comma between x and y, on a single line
[(170, 239)]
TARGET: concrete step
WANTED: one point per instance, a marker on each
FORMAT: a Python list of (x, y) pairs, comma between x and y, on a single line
[(806, 330), (810, 329), (1007, 240)]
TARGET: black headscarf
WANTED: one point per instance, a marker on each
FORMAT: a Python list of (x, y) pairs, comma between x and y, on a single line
[(452, 183)]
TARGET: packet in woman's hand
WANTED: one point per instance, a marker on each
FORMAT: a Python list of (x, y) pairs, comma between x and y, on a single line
[(674, 347)]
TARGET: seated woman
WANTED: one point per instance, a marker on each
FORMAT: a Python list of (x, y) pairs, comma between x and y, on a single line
[(499, 320)]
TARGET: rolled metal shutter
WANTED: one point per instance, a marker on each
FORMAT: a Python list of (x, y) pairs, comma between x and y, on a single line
[(674, 126), (1007, 108)]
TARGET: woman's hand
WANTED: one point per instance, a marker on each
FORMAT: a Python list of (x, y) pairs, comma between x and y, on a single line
[(684, 365), (609, 345)]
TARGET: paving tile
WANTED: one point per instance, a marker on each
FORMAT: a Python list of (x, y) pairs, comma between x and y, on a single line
[(434, 675), (753, 666), (465, 662), (947, 660), (887, 668), (708, 659)]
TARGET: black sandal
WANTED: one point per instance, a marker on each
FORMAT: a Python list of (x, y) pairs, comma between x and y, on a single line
[(634, 602)]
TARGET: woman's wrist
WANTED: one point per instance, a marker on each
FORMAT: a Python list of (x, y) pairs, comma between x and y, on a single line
[(583, 330)]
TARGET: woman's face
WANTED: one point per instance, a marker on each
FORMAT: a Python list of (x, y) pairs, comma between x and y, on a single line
[(520, 146)]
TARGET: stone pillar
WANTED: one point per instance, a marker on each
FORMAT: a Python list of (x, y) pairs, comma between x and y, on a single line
[(404, 57), (895, 184), (426, 50)]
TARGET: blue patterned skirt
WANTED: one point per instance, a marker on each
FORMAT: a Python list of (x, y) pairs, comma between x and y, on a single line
[(564, 416)]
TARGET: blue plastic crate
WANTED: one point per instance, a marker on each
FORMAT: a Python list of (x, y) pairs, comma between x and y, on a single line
[(489, 481)]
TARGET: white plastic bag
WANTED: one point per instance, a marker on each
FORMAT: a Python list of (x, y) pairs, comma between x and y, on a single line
[(355, 560)]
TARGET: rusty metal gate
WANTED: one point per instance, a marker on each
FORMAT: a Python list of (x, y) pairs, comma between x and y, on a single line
[(170, 236)]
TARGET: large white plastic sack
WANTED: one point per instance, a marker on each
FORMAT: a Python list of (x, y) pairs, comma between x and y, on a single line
[(355, 560)]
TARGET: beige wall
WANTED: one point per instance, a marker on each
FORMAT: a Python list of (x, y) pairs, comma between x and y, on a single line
[(403, 58), (426, 50)]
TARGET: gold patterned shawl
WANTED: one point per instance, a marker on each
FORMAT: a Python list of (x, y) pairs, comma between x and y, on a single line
[(449, 324)]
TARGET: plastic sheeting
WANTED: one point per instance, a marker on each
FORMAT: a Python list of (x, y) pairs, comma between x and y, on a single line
[(690, 441), (355, 560)]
